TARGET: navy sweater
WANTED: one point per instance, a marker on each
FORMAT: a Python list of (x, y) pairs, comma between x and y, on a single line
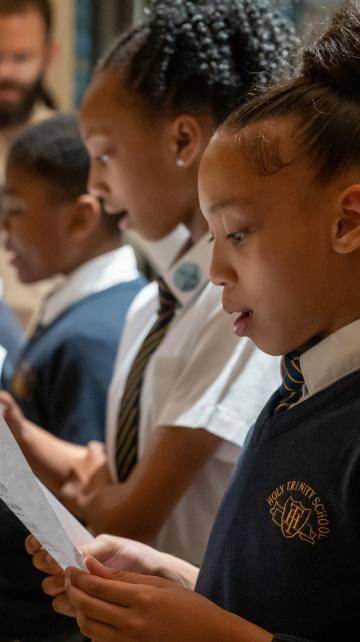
[(11, 334), (285, 549), (61, 383)]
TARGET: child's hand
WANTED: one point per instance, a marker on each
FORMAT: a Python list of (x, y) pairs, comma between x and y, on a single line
[(113, 606), (54, 585), (89, 474), (12, 414), (117, 553)]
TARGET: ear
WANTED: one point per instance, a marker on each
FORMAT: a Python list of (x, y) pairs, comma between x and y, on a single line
[(346, 236), (84, 217), (187, 140)]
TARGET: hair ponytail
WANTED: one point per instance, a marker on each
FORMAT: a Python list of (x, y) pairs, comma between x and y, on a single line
[(323, 99), (335, 59)]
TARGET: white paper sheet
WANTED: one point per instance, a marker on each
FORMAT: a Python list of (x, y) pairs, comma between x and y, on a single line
[(3, 354), (42, 514)]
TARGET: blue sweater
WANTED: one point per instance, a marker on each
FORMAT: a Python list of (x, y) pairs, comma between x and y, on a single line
[(285, 549), (61, 383)]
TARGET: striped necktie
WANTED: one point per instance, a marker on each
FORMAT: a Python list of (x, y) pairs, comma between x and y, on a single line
[(129, 413), (290, 390)]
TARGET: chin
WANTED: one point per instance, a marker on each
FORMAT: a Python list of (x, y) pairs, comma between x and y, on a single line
[(28, 277), (270, 345)]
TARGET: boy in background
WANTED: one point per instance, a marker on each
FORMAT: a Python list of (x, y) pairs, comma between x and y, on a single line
[(54, 227)]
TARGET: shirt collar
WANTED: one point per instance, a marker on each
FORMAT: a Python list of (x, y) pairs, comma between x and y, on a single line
[(188, 276), (332, 359), (95, 275)]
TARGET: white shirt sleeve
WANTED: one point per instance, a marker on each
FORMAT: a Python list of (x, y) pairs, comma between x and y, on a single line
[(224, 384)]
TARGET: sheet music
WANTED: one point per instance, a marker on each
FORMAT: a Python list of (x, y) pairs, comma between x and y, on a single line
[(44, 516)]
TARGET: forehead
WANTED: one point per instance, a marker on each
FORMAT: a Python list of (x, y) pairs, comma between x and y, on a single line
[(105, 102), (112, 113), (260, 160), (21, 30)]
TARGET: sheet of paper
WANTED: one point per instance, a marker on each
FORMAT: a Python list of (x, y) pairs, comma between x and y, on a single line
[(3, 354), (42, 514)]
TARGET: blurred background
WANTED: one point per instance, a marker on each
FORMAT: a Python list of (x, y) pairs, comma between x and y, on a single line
[(85, 27)]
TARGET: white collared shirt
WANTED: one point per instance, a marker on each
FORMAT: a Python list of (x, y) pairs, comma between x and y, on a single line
[(335, 357), (96, 275), (201, 376)]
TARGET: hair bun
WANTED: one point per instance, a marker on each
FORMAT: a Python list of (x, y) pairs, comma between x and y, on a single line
[(335, 59)]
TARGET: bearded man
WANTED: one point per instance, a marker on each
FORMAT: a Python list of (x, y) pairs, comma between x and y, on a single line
[(26, 51)]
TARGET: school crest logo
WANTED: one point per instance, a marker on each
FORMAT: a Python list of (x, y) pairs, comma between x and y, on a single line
[(23, 382), (297, 510)]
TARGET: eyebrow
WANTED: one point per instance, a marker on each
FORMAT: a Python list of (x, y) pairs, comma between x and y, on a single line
[(231, 202)]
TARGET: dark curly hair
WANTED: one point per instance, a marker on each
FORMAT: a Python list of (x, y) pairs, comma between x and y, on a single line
[(202, 54)]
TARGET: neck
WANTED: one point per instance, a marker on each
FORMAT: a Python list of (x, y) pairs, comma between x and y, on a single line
[(108, 245)]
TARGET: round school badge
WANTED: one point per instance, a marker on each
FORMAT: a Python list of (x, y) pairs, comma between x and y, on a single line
[(187, 277)]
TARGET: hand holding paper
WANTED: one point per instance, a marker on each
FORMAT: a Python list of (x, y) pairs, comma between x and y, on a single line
[(42, 514)]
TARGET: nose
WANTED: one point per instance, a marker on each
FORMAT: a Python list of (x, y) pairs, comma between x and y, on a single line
[(96, 185), (221, 272), (4, 222)]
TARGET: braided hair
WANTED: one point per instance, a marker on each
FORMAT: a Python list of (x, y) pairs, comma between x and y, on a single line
[(191, 55)]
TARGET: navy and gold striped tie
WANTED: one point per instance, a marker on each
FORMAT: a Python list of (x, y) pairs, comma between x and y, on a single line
[(290, 390), (129, 413)]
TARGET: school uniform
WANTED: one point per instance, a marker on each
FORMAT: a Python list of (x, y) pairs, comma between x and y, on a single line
[(285, 549), (11, 334), (201, 376), (61, 383)]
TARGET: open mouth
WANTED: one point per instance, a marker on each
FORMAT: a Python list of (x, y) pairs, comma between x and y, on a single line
[(242, 323)]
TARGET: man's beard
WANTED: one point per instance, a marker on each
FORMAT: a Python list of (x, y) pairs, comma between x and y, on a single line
[(13, 114)]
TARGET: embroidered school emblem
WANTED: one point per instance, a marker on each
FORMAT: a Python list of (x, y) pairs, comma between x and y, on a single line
[(23, 382), (187, 277), (297, 509)]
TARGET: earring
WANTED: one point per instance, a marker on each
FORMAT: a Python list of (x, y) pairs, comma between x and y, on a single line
[(180, 162)]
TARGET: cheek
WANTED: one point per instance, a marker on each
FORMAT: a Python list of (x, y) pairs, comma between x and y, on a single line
[(29, 72)]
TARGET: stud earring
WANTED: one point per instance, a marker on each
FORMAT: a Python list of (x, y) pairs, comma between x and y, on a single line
[(180, 162)]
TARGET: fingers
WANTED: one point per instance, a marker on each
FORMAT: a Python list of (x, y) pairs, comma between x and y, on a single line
[(32, 545), (114, 592), (62, 605), (100, 570), (93, 608), (54, 585), (45, 563), (41, 559), (6, 398), (97, 447), (97, 568), (97, 631)]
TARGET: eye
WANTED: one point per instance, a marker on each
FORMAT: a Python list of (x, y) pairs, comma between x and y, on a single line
[(102, 159), (238, 237), (11, 206)]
